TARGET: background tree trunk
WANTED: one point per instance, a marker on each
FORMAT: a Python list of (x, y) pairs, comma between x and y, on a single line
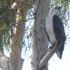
[(17, 39), (40, 42), (16, 47)]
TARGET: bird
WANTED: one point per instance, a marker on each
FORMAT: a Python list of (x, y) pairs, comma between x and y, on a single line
[(55, 30)]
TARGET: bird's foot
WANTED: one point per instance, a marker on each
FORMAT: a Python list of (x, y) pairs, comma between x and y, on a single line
[(53, 44)]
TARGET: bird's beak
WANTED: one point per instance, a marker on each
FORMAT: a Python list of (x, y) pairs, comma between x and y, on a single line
[(58, 8)]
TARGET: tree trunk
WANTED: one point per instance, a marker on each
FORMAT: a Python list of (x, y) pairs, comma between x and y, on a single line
[(16, 47), (22, 7), (40, 42), (17, 40), (4, 62)]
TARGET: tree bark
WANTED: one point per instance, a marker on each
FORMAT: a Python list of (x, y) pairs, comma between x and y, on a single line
[(40, 42), (17, 39), (16, 47), (22, 7), (4, 62)]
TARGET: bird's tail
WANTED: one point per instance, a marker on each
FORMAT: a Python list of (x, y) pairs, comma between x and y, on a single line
[(60, 51), (59, 54)]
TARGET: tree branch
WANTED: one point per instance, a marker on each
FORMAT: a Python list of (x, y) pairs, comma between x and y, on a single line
[(48, 55)]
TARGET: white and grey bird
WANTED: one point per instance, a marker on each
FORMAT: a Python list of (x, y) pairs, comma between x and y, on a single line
[(55, 30)]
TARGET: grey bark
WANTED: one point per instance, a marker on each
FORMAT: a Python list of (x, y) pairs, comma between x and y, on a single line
[(17, 40), (48, 55), (15, 56), (4, 62), (40, 42)]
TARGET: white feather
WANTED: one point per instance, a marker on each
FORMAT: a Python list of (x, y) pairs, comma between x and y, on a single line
[(49, 26)]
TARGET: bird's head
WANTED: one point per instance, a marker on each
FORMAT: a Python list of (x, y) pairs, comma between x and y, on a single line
[(54, 11), (58, 8)]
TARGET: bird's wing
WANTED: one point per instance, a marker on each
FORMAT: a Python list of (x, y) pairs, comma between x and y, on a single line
[(58, 27)]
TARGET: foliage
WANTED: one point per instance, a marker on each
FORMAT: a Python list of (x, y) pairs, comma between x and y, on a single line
[(6, 16), (65, 7)]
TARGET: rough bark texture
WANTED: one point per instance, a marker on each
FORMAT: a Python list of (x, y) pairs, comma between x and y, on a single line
[(4, 62), (40, 42), (17, 39), (15, 57)]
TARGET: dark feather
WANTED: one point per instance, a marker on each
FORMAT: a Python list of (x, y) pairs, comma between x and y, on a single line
[(59, 32)]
